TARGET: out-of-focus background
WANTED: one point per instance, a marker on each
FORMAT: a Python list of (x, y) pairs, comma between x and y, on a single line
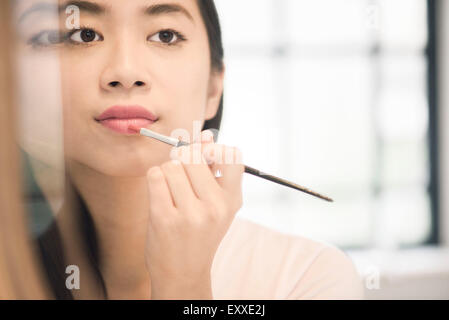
[(347, 97)]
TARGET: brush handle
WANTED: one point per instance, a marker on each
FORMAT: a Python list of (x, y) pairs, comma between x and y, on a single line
[(272, 178), (284, 182), (182, 144)]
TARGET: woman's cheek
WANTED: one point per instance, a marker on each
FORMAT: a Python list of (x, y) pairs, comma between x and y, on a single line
[(189, 90)]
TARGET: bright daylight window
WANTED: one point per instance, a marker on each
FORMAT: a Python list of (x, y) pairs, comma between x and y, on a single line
[(331, 94)]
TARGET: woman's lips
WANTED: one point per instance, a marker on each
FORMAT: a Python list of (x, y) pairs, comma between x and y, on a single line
[(119, 118), (127, 112), (122, 125)]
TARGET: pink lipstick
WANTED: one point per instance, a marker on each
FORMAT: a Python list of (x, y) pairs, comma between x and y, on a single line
[(119, 118)]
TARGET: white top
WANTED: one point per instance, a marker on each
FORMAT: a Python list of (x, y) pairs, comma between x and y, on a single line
[(256, 262)]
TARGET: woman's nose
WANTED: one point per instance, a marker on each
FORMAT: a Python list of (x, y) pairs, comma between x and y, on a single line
[(124, 71)]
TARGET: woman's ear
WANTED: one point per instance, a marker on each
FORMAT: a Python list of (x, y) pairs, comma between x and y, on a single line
[(215, 92)]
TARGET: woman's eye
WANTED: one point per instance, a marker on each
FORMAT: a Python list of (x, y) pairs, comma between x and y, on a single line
[(84, 36), (166, 37), (53, 37), (46, 38)]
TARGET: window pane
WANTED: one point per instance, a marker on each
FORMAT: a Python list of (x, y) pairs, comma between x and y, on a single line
[(402, 217), (327, 22), (249, 119), (344, 120), (331, 121), (403, 23), (247, 22)]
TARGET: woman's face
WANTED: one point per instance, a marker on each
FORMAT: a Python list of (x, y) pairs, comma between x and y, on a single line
[(149, 53)]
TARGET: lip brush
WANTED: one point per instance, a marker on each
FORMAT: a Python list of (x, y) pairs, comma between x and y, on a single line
[(179, 143)]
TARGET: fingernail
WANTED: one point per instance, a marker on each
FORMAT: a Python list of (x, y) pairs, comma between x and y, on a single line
[(207, 136)]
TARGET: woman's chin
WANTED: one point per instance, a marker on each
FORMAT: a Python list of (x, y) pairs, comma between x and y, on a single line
[(123, 167), (123, 172)]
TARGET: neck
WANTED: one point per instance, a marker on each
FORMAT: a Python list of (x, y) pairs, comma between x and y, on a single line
[(119, 210)]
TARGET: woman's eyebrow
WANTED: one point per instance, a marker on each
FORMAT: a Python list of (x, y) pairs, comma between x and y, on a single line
[(165, 8), (46, 7), (97, 9)]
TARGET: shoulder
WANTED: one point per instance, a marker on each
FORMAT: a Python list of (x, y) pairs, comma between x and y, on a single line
[(332, 275), (284, 266)]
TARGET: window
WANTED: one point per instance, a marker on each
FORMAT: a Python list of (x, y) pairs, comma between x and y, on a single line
[(331, 94)]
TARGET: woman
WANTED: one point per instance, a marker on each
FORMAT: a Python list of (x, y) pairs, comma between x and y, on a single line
[(144, 225)]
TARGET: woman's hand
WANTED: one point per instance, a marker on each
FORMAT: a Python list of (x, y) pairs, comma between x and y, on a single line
[(190, 212)]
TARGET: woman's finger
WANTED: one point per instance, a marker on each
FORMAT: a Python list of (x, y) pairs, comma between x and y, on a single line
[(178, 183), (200, 174), (229, 162), (159, 194)]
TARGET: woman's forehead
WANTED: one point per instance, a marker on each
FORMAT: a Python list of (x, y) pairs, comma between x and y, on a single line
[(186, 8)]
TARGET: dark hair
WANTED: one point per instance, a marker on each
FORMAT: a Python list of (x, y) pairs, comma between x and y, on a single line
[(50, 243), (212, 22)]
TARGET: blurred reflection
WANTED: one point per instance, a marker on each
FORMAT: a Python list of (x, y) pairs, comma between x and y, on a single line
[(21, 275), (40, 112)]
